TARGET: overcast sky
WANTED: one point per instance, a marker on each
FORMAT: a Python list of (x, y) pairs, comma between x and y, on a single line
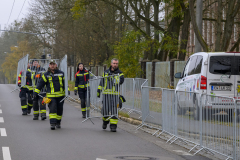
[(5, 10)]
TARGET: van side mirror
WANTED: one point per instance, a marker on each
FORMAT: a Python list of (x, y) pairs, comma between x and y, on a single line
[(178, 75)]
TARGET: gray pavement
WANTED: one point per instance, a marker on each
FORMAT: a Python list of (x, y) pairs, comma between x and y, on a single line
[(33, 140)]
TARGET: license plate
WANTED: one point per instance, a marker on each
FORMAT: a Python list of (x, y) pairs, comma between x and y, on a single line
[(221, 88)]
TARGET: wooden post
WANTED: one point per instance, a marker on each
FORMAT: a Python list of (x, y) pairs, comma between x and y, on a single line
[(144, 68), (172, 61), (104, 67), (96, 70)]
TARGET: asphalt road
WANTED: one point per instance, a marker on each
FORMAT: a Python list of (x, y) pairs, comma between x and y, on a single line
[(21, 138)]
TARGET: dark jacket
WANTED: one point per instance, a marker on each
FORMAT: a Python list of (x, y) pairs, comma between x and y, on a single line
[(29, 80), (81, 80), (111, 86), (54, 83)]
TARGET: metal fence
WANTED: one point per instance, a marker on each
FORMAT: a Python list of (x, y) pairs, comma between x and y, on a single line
[(22, 68), (209, 122), (63, 67), (132, 91), (108, 100)]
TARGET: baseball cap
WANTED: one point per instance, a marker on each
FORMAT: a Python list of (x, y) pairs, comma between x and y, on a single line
[(52, 61)]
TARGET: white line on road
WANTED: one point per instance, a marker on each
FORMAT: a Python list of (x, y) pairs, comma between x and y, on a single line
[(3, 132), (0, 111), (183, 153), (6, 153), (1, 120), (100, 159)]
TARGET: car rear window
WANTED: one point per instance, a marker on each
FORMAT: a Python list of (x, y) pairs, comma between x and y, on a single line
[(221, 64)]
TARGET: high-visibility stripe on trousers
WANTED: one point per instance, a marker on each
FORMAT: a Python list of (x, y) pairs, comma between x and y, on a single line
[(55, 110)]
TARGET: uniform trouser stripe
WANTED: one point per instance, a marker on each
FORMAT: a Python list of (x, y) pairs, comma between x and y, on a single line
[(35, 112), (59, 117), (105, 119), (43, 111), (113, 121), (53, 116), (30, 105), (23, 107)]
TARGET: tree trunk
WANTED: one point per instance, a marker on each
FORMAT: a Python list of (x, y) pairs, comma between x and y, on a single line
[(219, 27), (185, 34), (228, 28), (195, 27)]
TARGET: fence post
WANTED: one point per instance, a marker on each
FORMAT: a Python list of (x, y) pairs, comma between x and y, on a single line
[(144, 68), (172, 61), (153, 72), (104, 67), (96, 70)]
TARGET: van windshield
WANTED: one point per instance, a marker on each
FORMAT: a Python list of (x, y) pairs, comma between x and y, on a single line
[(221, 64)]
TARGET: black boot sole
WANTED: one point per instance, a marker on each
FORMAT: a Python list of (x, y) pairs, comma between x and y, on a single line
[(58, 127), (43, 118), (35, 118), (113, 130)]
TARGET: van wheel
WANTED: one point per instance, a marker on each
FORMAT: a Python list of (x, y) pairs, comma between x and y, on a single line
[(196, 110), (180, 111)]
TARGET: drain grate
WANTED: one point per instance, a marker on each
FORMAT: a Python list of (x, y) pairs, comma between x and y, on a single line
[(136, 158)]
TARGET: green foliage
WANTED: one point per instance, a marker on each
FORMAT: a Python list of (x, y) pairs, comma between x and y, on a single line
[(129, 51), (79, 8)]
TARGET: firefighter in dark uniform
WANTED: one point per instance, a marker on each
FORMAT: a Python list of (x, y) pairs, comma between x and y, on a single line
[(37, 105), (54, 81), (26, 108), (30, 89), (110, 91), (81, 84)]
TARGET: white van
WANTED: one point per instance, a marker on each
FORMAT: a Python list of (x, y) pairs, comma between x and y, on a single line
[(212, 73)]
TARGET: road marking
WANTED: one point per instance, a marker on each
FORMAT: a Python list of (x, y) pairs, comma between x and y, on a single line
[(0, 111), (6, 153), (100, 159), (183, 153), (3, 132), (1, 120)]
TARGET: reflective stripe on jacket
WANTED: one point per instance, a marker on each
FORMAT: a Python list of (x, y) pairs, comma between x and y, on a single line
[(54, 83), (110, 85), (81, 80)]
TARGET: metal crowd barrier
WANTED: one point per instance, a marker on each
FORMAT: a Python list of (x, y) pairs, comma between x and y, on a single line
[(22, 68), (132, 90), (209, 122), (151, 107), (109, 98)]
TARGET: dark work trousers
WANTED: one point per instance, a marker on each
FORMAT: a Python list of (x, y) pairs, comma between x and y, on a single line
[(83, 96), (56, 110), (30, 101), (38, 107), (23, 97), (109, 109)]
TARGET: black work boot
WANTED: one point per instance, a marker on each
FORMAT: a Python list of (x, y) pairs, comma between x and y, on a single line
[(24, 113), (58, 125), (53, 126), (28, 111), (83, 114), (35, 117), (104, 125), (113, 127), (43, 116)]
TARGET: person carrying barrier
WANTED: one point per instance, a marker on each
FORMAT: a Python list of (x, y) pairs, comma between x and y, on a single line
[(54, 80), (38, 106), (109, 86), (81, 84), (24, 90)]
